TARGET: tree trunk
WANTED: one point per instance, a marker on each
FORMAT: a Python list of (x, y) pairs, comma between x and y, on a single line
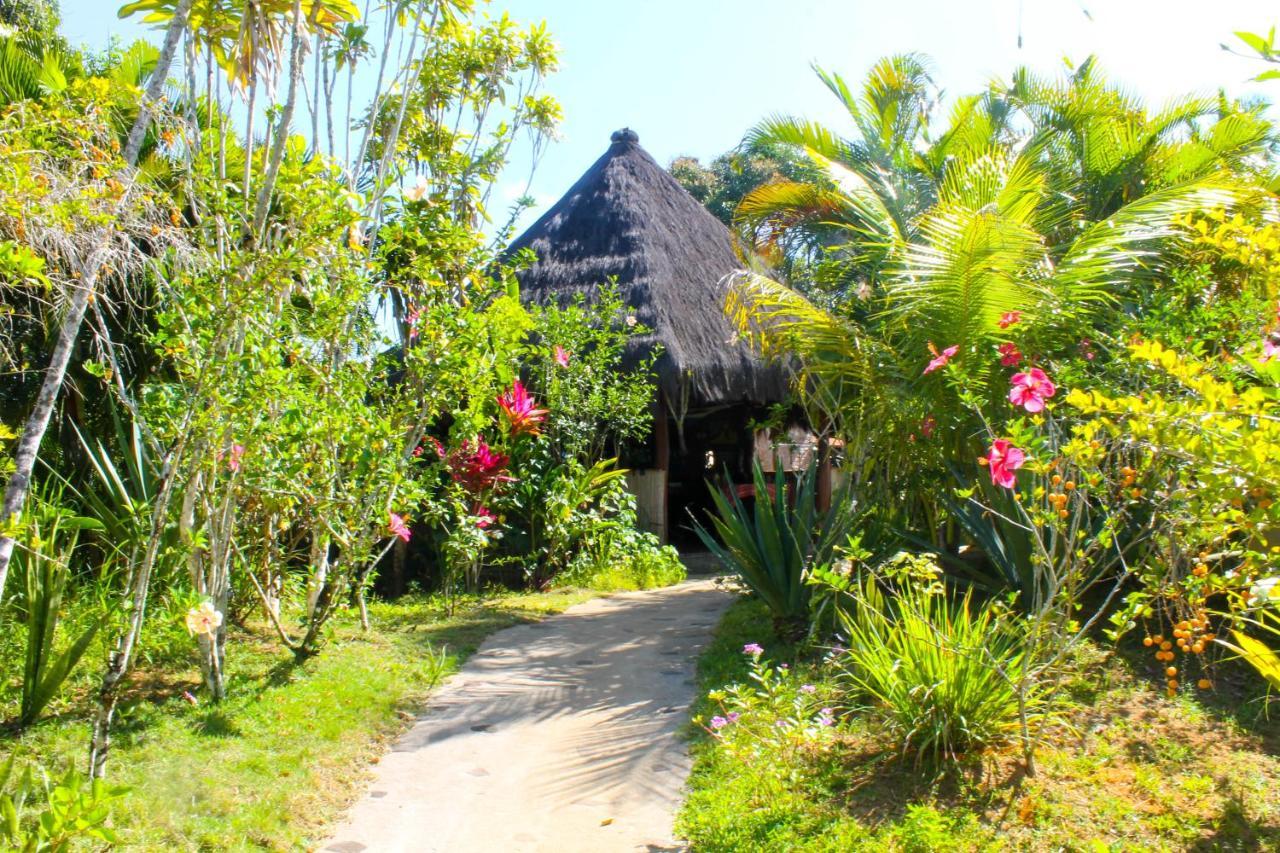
[(15, 492), (297, 50)]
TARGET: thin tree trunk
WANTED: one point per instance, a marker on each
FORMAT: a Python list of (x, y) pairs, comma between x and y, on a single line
[(15, 492), (298, 48)]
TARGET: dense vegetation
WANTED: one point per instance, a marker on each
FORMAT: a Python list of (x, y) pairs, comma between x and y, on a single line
[(1043, 331), (259, 342), (261, 349)]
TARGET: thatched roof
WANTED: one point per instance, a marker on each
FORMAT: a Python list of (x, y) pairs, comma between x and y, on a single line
[(628, 219)]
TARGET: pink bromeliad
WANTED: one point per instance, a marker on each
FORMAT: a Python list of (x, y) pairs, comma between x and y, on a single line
[(521, 410)]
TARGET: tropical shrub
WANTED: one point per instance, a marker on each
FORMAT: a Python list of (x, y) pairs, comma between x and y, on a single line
[(1205, 456), (940, 669), (775, 545), (45, 565), (769, 721), (39, 815)]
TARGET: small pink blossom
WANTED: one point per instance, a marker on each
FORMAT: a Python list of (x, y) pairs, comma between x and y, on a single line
[(928, 425), (718, 722), (753, 649), (398, 527), (1270, 348), (233, 457), (808, 688), (1003, 459), (484, 517), (1031, 389), (1086, 349), (1010, 355), (412, 318), (1010, 318), (562, 356), (190, 698), (940, 359)]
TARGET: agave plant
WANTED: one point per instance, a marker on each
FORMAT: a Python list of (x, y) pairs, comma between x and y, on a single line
[(44, 565), (774, 545)]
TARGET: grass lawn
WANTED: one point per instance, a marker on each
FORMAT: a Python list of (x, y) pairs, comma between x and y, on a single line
[(1128, 770), (278, 761)]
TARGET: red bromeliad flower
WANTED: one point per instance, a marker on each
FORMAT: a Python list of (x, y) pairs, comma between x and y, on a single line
[(519, 407), (940, 358), (562, 356), (477, 467), (484, 517), (1031, 389), (1003, 459), (1010, 355), (398, 527), (1010, 318)]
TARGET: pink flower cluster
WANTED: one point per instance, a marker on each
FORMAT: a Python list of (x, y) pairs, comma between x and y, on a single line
[(475, 465), (520, 409)]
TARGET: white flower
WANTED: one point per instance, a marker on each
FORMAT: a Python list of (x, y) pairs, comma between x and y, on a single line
[(1265, 591), (203, 620), (417, 191)]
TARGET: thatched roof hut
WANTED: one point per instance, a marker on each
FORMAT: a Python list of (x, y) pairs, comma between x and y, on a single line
[(628, 220)]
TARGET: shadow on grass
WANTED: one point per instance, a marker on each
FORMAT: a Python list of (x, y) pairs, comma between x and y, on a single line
[(1234, 830), (216, 724)]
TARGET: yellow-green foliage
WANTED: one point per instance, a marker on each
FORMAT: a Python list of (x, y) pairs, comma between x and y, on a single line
[(1208, 453)]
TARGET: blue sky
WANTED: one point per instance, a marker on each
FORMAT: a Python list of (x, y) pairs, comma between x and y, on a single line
[(690, 77)]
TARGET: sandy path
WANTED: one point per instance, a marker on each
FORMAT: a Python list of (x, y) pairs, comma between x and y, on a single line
[(556, 736)]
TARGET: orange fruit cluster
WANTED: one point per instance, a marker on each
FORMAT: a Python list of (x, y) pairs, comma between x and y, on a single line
[(1190, 636)]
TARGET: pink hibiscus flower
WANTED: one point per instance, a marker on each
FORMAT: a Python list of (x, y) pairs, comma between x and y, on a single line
[(1270, 348), (1010, 318), (1010, 355), (1003, 459), (233, 457), (940, 359), (1031, 389), (398, 527)]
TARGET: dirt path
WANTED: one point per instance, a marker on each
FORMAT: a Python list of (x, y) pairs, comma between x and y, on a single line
[(556, 736)]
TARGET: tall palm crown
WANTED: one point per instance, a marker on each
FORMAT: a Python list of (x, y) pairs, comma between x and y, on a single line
[(1051, 199)]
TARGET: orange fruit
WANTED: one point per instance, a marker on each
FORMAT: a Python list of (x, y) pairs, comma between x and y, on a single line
[(1204, 684)]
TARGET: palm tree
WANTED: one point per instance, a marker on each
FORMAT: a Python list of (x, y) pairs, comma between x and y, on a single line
[(858, 186), (1006, 211)]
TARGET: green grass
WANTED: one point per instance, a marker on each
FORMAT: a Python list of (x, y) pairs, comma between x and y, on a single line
[(277, 761), (1127, 770)]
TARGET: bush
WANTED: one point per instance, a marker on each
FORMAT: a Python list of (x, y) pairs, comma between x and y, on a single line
[(942, 670), (615, 555), (775, 545)]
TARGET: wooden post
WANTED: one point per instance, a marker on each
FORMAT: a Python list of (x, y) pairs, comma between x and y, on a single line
[(824, 474), (662, 452)]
